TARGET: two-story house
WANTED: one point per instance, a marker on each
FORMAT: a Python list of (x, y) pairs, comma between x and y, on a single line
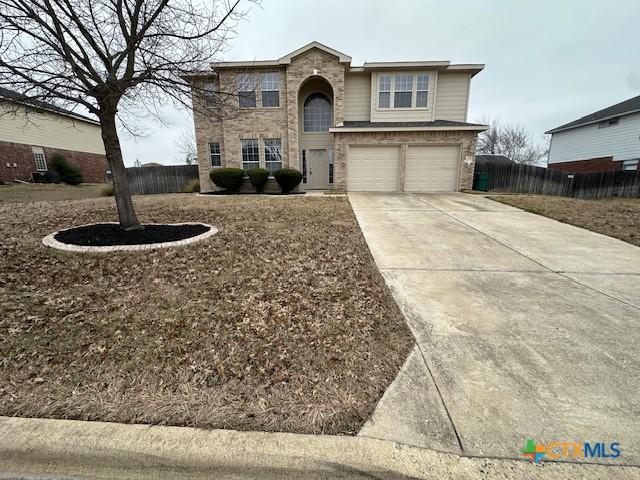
[(32, 132), (608, 139), (383, 126)]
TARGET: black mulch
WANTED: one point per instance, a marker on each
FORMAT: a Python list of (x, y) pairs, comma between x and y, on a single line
[(108, 234)]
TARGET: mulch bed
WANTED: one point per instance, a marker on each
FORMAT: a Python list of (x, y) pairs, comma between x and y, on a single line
[(616, 217), (109, 234), (280, 322)]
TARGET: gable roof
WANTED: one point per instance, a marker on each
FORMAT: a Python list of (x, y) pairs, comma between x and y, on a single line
[(623, 108), (16, 97), (342, 58), (445, 65)]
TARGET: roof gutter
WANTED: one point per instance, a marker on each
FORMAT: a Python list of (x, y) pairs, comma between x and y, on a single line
[(475, 128), (591, 122)]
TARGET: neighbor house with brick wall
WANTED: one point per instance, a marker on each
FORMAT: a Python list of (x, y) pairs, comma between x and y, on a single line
[(32, 131), (382, 126), (608, 139)]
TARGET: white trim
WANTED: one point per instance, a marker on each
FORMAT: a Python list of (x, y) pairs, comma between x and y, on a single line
[(429, 64), (476, 128), (591, 122), (50, 241)]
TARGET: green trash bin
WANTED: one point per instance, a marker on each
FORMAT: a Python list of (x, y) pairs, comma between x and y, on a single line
[(481, 181)]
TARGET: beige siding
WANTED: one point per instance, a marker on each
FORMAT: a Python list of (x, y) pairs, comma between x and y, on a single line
[(357, 96), (49, 130), (403, 114), (452, 97)]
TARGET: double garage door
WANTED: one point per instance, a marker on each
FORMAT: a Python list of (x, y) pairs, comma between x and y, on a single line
[(428, 168)]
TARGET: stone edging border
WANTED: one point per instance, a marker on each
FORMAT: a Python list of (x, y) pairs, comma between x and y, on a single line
[(50, 241)]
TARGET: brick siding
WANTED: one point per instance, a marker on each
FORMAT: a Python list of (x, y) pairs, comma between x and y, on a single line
[(585, 166), (92, 165), (466, 139)]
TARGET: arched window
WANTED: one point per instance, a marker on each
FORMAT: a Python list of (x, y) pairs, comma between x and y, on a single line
[(317, 113)]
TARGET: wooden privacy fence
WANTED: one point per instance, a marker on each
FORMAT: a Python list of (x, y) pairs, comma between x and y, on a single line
[(165, 179), (514, 178)]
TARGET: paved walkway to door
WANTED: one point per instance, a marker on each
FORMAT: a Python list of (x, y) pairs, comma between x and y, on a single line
[(526, 328)]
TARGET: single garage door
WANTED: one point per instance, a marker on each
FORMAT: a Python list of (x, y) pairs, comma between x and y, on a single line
[(432, 168), (374, 169)]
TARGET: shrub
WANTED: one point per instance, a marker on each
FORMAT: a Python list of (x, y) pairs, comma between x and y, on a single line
[(107, 191), (192, 187), (68, 172), (228, 178), (288, 178), (258, 177)]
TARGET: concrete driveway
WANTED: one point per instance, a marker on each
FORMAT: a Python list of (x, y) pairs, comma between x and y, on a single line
[(526, 328)]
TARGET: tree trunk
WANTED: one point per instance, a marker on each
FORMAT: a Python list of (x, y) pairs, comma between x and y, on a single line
[(126, 212)]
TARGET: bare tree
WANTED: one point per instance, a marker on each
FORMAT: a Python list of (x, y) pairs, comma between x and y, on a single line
[(110, 56), (512, 141), (186, 145)]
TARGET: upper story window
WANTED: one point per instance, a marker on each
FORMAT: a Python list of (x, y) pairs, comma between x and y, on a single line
[(270, 86), (422, 90), (209, 92), (317, 113), (384, 91), (608, 123), (403, 90), (246, 90)]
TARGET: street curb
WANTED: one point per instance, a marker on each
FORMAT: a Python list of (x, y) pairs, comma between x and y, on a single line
[(78, 449)]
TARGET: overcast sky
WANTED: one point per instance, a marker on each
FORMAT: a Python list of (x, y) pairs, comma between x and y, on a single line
[(547, 62)]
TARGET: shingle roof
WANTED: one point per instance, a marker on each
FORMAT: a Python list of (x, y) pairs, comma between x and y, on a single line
[(492, 158), (434, 123), (622, 108), (23, 99)]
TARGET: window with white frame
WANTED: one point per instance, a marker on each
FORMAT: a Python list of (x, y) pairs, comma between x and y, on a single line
[(39, 158), (246, 90), (270, 86), (317, 113), (384, 91), (272, 154), (214, 153), (250, 154), (630, 164), (422, 90), (209, 92), (403, 92)]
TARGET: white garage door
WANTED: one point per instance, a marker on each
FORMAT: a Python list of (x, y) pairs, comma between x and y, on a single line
[(374, 169), (432, 169)]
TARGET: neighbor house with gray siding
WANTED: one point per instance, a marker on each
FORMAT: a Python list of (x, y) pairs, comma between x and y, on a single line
[(382, 126), (608, 139)]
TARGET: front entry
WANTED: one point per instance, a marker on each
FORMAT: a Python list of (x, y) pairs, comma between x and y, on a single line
[(318, 170)]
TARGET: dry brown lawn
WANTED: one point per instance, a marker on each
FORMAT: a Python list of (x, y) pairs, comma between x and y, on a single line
[(281, 322), (41, 192), (616, 217)]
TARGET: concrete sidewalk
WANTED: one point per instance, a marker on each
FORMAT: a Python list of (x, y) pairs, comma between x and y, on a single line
[(37, 448), (526, 328)]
